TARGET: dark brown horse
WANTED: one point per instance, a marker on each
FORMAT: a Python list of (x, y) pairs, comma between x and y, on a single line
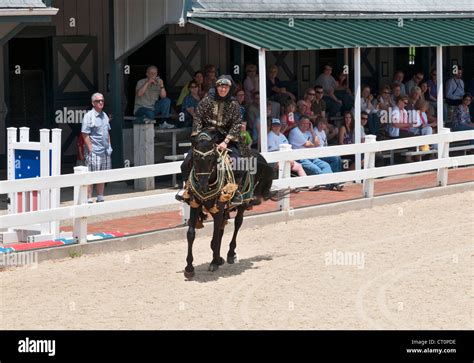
[(210, 189)]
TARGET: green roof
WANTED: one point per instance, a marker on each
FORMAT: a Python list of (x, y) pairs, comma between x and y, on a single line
[(307, 34)]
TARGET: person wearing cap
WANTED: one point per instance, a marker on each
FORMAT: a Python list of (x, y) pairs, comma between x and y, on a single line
[(219, 112), (275, 139)]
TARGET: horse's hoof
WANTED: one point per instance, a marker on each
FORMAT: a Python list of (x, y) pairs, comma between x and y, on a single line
[(189, 274), (231, 259), (213, 267), (221, 261)]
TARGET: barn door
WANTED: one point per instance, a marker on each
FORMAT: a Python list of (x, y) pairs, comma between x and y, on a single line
[(75, 79), (185, 54)]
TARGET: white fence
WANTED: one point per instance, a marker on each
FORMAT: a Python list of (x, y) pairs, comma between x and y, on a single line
[(80, 211)]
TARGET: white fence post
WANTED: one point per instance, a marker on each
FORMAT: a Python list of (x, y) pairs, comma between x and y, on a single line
[(44, 195), (80, 197), (144, 152), (55, 170), (443, 152), (284, 171), (369, 162), (11, 139)]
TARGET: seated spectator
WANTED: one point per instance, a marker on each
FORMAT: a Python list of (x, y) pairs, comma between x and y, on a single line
[(346, 131), (398, 77), (455, 89), (413, 98), (190, 104), (414, 82), (433, 87), (421, 123), (245, 134), (343, 92), (198, 78), (384, 106), (302, 137), (275, 90), (301, 109), (288, 118), (210, 78), (318, 106), (328, 83), (240, 98), (275, 139), (462, 118), (426, 115), (367, 105), (320, 132), (150, 98), (252, 115), (400, 123), (347, 135), (396, 92), (250, 82), (425, 91), (309, 97)]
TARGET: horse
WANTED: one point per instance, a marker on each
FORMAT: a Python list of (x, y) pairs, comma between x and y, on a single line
[(210, 188)]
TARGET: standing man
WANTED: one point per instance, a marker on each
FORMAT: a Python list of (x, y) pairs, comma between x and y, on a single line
[(150, 98), (455, 88), (95, 130), (328, 83)]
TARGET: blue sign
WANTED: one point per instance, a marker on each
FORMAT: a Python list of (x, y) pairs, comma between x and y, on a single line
[(27, 164)]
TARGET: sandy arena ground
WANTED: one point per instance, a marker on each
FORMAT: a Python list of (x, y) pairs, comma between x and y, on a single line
[(411, 268)]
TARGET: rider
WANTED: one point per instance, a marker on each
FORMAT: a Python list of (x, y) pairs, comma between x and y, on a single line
[(220, 112)]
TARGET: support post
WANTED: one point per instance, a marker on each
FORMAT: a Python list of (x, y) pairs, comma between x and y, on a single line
[(443, 152), (11, 139), (357, 104), (55, 170), (80, 197), (369, 163), (262, 71), (44, 195), (439, 99), (144, 152), (284, 172)]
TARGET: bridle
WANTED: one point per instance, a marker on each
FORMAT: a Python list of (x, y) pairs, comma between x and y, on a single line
[(203, 155)]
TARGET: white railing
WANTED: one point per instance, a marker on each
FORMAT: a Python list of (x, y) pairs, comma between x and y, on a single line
[(80, 211)]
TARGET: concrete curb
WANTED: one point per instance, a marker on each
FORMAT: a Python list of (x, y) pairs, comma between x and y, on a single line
[(144, 240)]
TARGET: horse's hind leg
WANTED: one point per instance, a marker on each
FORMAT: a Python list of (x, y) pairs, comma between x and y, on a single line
[(239, 218), (193, 217)]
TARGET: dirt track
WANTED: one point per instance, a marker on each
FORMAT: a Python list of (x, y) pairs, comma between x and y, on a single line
[(404, 266)]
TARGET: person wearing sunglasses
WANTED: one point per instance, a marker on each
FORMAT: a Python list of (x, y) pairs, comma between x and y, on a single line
[(414, 82), (96, 133)]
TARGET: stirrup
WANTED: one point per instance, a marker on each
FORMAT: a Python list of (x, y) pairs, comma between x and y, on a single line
[(237, 199), (179, 196)]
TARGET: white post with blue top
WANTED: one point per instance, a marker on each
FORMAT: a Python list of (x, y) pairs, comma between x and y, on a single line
[(27, 159)]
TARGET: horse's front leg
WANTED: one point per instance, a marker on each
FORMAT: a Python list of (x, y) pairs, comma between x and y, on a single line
[(193, 217), (217, 260), (239, 218)]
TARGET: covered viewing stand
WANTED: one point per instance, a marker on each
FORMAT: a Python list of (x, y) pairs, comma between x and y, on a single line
[(312, 33)]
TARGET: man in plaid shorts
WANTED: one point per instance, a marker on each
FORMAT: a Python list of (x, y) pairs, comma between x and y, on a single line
[(95, 129)]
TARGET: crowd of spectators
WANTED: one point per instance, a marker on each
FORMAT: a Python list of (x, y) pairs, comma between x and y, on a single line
[(324, 115)]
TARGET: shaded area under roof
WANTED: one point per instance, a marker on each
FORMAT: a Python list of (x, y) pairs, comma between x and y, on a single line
[(308, 34)]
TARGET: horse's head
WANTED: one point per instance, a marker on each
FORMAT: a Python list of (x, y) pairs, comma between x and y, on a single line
[(204, 158)]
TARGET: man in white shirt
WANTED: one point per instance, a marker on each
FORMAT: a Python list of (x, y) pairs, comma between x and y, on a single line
[(400, 123), (275, 139)]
